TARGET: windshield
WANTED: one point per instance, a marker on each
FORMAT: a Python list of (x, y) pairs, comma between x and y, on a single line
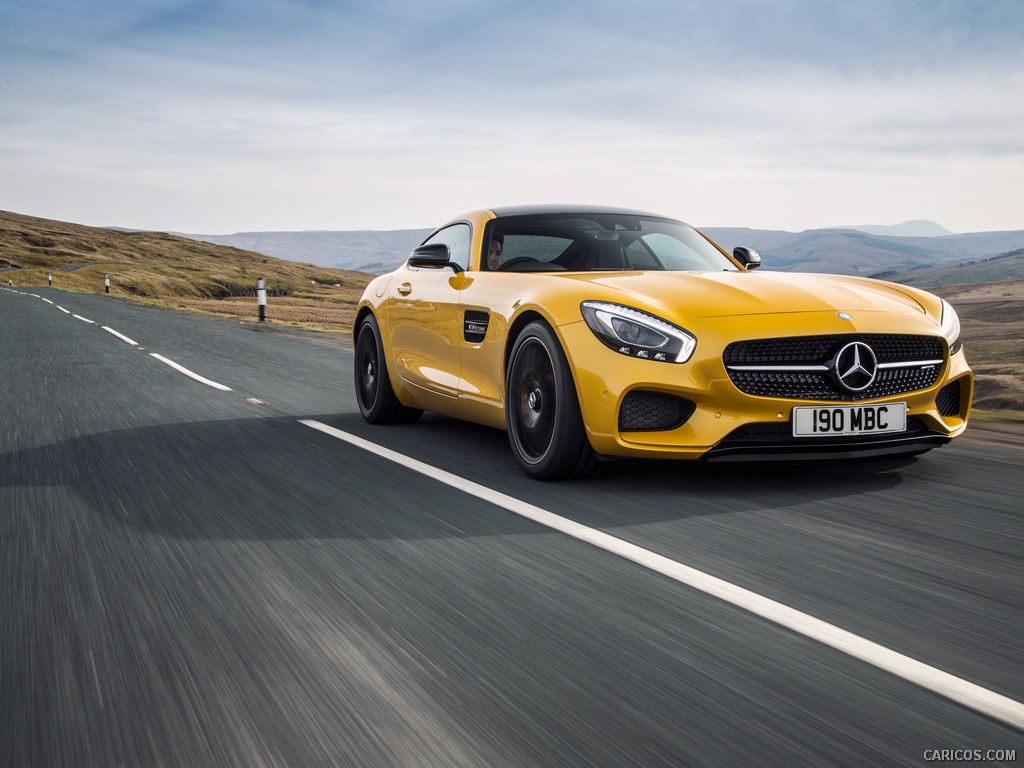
[(597, 242)]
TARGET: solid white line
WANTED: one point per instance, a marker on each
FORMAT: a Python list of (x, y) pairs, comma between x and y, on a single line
[(189, 373), (966, 693), (120, 336), (85, 319)]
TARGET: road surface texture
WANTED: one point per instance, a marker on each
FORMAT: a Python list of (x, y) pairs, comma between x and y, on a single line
[(196, 571)]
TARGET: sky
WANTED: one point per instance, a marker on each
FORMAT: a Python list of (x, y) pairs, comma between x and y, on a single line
[(222, 116)]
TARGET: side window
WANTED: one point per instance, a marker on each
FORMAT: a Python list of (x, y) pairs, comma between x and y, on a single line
[(457, 237)]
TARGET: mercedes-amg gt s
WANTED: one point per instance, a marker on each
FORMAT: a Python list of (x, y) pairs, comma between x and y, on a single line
[(590, 333)]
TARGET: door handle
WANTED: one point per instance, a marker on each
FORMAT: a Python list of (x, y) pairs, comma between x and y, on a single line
[(405, 289)]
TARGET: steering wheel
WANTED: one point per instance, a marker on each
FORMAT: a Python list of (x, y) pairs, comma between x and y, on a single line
[(517, 260)]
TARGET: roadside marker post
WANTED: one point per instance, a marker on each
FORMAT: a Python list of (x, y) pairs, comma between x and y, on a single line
[(106, 282), (261, 298), (49, 277)]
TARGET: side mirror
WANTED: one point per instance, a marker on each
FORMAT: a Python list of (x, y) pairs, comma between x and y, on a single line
[(748, 257), (433, 255)]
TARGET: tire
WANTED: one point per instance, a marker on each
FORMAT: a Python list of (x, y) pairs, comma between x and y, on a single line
[(542, 411), (376, 398)]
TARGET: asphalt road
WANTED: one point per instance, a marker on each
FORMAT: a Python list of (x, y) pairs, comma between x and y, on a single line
[(189, 575)]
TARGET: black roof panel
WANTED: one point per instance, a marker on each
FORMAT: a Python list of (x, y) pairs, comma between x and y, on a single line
[(558, 208)]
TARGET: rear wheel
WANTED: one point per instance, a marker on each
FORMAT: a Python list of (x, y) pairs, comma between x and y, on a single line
[(542, 411), (376, 398)]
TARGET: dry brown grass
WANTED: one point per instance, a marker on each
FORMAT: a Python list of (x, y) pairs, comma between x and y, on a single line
[(306, 313), (992, 316)]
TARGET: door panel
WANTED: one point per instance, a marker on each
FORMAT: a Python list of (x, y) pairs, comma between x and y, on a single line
[(427, 328)]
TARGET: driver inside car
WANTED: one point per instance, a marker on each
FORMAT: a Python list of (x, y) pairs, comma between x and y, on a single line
[(494, 253)]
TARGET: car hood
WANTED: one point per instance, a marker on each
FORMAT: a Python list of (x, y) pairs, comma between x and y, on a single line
[(730, 294)]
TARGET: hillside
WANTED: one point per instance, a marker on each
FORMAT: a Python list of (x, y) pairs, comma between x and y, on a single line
[(1006, 266), (992, 317), (172, 270)]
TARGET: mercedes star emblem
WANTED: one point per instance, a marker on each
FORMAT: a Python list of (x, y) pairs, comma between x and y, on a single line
[(856, 366)]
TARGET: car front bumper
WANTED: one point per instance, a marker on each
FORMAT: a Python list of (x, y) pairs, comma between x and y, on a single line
[(727, 424)]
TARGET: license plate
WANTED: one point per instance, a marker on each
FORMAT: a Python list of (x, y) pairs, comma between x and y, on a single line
[(844, 420)]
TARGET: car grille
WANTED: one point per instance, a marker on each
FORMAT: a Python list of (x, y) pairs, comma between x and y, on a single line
[(803, 367), (645, 411)]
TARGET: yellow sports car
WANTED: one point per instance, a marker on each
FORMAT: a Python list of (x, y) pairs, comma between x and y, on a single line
[(597, 332)]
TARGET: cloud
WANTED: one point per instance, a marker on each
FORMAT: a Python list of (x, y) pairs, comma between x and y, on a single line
[(227, 115)]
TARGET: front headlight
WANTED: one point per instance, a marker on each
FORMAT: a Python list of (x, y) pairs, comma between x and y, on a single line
[(951, 328), (635, 333)]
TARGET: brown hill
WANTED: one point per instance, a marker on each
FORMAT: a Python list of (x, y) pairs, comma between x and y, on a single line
[(172, 270)]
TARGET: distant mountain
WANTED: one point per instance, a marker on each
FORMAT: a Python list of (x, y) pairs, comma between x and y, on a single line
[(851, 252), (917, 228), (365, 251), (837, 251)]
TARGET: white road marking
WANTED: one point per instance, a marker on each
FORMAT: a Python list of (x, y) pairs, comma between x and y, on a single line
[(85, 319), (120, 336), (48, 301), (96, 679), (65, 311), (193, 375), (966, 693)]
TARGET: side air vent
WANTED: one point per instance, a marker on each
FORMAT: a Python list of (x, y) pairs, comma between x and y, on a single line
[(948, 400), (476, 326), (645, 411)]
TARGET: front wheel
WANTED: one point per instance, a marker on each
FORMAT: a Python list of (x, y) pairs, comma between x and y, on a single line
[(542, 411), (376, 398)]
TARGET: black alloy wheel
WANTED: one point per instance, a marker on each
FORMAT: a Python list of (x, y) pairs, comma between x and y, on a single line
[(542, 410), (376, 398)]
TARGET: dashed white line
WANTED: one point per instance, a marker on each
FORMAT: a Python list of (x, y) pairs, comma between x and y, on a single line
[(122, 337), (161, 358), (187, 372), (47, 301), (966, 693)]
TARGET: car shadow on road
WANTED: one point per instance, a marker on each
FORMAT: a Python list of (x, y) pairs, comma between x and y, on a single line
[(632, 491), (275, 478)]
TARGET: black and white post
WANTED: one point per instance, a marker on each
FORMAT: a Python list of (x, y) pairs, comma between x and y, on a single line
[(106, 282), (261, 298), (49, 277)]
